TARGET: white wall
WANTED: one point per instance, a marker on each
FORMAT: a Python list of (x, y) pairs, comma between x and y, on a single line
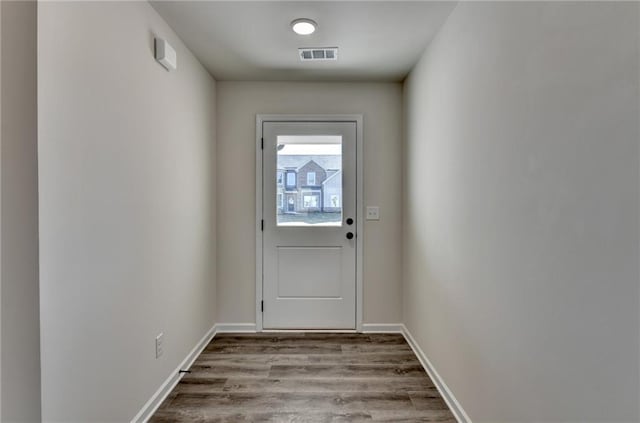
[(521, 210), (20, 329), (127, 190), (238, 104)]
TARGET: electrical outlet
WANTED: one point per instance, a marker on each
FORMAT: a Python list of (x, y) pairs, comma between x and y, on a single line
[(159, 346), (373, 213)]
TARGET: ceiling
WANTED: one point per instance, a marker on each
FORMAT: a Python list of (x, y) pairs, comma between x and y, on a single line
[(253, 40)]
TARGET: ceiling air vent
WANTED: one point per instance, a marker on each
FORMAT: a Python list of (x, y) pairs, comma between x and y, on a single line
[(315, 54)]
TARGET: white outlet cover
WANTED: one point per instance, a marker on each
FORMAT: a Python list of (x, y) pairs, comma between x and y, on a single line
[(373, 213), (159, 346)]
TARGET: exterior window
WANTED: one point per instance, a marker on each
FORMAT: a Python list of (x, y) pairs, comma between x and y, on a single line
[(291, 179), (311, 178), (335, 201), (279, 178), (310, 201)]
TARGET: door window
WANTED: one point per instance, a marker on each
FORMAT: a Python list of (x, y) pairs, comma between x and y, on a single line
[(310, 162)]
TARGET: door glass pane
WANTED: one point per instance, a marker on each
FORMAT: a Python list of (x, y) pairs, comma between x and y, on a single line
[(309, 185)]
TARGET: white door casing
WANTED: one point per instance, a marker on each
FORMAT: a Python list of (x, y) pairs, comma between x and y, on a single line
[(307, 266)]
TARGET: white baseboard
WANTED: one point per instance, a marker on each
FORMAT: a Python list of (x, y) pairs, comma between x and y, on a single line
[(235, 327), (382, 328), (366, 328), (309, 331), (457, 410), (165, 389)]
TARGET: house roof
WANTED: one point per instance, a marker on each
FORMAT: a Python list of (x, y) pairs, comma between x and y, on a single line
[(332, 176), (286, 161)]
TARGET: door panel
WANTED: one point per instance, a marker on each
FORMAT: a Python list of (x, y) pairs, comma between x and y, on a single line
[(309, 272), (309, 191)]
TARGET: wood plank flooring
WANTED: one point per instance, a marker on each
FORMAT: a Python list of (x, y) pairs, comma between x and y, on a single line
[(305, 377)]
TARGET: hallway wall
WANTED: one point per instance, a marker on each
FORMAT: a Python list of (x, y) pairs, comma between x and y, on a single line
[(521, 223), (238, 104), (20, 329), (127, 196)]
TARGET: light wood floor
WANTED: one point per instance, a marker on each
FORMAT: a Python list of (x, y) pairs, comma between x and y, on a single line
[(305, 377)]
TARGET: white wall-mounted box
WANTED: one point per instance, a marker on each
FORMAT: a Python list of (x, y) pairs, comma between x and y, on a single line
[(165, 54)]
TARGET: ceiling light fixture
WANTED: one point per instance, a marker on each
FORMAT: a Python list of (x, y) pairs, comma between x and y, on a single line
[(303, 26)]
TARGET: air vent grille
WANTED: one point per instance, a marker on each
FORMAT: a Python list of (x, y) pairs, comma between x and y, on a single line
[(316, 54)]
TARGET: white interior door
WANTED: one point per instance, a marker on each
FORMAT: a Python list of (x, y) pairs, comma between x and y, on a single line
[(309, 233)]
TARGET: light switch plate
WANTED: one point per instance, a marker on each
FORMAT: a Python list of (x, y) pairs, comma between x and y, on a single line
[(373, 213)]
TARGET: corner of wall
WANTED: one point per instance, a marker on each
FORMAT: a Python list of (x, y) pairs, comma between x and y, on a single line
[(19, 279)]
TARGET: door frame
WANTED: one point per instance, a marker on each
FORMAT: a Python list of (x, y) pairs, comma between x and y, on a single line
[(358, 120)]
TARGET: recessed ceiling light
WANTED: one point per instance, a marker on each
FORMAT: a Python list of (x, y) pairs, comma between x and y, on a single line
[(303, 26)]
